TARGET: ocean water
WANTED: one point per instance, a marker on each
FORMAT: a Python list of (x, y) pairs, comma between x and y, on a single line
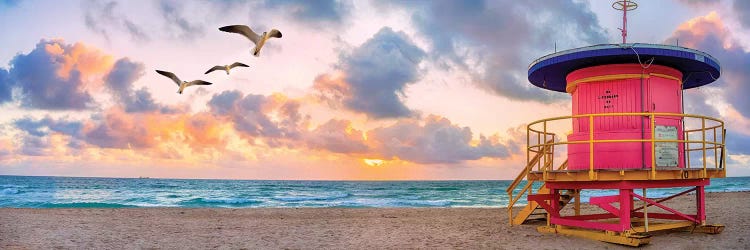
[(82, 192)]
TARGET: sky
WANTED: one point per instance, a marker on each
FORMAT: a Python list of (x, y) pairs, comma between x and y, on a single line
[(354, 90)]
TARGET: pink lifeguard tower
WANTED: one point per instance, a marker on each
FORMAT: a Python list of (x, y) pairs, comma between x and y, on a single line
[(629, 134)]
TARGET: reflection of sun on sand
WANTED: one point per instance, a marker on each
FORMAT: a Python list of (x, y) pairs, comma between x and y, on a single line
[(374, 162)]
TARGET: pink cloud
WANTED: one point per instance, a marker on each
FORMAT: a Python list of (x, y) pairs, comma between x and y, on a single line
[(337, 136), (433, 140), (86, 60), (137, 123), (710, 34), (331, 89), (56, 75)]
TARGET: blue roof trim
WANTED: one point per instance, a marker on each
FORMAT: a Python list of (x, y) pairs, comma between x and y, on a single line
[(698, 68)]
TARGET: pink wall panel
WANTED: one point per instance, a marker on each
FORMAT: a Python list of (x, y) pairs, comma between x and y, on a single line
[(661, 94)]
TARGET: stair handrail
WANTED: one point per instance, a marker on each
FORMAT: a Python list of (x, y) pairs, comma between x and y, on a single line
[(529, 165), (513, 200), (547, 147), (531, 183)]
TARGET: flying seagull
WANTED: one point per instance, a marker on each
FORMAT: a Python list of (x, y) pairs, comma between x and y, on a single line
[(258, 40), (182, 84), (226, 67)]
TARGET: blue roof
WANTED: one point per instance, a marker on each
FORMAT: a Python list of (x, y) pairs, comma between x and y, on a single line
[(698, 68)]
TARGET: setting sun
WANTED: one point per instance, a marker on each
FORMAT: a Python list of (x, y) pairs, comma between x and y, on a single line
[(374, 162)]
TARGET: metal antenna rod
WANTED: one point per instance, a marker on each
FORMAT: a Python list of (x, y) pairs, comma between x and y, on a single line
[(625, 6)]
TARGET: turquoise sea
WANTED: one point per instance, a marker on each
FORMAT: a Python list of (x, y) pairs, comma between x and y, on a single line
[(77, 192)]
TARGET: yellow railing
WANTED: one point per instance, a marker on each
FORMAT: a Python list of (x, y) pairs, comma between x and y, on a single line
[(547, 155), (540, 130), (542, 159), (533, 161)]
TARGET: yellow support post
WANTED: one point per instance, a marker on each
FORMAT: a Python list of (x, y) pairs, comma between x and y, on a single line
[(703, 141), (687, 149), (653, 146), (716, 153), (544, 132), (528, 141), (723, 148), (538, 143), (591, 147)]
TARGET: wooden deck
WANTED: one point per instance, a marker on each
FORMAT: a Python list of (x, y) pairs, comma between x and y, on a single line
[(661, 173)]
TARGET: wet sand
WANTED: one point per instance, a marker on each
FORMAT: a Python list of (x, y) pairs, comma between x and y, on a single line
[(334, 228)]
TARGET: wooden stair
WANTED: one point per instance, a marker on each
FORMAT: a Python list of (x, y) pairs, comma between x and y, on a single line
[(533, 210)]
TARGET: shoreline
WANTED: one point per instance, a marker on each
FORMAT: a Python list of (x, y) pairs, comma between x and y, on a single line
[(337, 228)]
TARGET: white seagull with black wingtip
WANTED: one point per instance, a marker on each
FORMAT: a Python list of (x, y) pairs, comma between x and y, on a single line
[(226, 67), (180, 83), (258, 40)]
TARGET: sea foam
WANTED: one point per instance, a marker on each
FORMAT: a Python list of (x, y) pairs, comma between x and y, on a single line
[(311, 198), (74, 192), (208, 202), (9, 191)]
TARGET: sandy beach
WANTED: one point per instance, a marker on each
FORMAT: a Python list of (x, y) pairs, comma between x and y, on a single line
[(333, 228)]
